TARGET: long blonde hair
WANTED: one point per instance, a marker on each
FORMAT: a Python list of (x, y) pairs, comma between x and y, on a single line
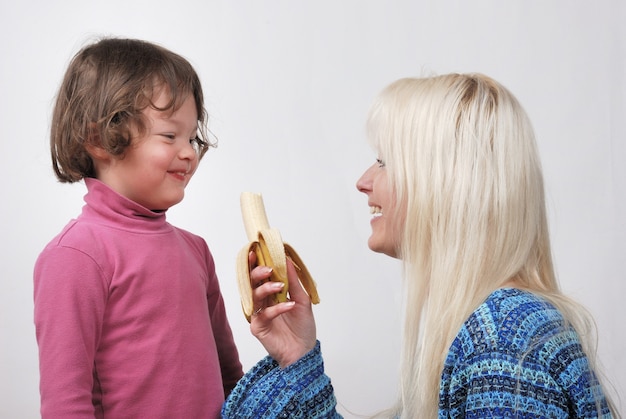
[(461, 157)]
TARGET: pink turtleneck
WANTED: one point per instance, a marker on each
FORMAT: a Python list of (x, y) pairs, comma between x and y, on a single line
[(129, 317)]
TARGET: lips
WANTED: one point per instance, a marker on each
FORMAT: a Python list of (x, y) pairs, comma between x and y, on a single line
[(179, 175), (180, 172)]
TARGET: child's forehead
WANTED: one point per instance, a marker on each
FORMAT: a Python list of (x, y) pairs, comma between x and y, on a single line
[(165, 102), (166, 93), (164, 111)]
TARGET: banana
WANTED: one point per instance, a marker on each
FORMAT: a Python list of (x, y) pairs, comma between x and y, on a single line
[(271, 251)]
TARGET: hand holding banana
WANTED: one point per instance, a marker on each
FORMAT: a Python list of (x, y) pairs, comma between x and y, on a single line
[(270, 251)]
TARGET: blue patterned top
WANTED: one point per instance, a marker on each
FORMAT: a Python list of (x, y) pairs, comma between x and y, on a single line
[(514, 358), (511, 358), (301, 390)]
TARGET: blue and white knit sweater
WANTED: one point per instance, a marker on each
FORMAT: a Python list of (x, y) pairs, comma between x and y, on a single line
[(511, 358), (514, 358), (301, 390)]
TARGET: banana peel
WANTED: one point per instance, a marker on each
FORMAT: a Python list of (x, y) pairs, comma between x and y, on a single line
[(270, 251)]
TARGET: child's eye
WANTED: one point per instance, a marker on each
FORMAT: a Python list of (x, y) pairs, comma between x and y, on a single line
[(169, 136), (199, 145), (380, 163)]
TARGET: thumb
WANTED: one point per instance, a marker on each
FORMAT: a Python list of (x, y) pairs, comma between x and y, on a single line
[(296, 290)]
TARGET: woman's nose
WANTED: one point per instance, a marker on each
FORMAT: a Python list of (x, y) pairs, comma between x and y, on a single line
[(364, 184)]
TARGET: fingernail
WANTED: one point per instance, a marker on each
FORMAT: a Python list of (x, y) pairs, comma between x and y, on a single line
[(278, 285), (267, 269)]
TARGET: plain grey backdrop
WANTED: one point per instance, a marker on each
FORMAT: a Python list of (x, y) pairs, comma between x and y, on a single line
[(288, 85)]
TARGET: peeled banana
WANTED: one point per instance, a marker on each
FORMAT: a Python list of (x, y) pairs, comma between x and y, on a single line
[(271, 251)]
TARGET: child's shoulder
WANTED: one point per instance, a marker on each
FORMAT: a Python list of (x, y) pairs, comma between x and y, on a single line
[(192, 238), (75, 233), (75, 237)]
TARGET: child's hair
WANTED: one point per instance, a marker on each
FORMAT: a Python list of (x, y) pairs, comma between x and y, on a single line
[(104, 91)]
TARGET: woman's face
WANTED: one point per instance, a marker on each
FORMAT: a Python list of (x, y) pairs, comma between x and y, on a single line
[(386, 226)]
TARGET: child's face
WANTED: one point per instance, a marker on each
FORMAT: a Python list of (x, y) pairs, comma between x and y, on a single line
[(158, 165)]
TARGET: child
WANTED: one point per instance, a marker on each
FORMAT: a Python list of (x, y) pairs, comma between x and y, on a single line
[(129, 317)]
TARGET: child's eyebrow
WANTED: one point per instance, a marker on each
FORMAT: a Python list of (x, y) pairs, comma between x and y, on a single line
[(170, 117), (167, 122)]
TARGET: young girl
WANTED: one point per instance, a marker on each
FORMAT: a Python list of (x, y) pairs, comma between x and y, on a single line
[(457, 194), (129, 317)]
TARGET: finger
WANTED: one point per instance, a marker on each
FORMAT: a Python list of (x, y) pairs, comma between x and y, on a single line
[(296, 290), (259, 275), (251, 260), (267, 314), (261, 294)]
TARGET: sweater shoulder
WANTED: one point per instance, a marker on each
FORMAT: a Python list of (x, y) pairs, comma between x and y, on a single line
[(509, 321)]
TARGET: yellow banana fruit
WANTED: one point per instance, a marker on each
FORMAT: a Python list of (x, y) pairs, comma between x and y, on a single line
[(271, 251)]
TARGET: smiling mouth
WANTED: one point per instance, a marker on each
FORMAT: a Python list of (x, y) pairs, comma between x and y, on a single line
[(376, 211), (179, 175)]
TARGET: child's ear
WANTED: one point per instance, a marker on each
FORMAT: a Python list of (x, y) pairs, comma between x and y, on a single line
[(97, 153), (92, 145)]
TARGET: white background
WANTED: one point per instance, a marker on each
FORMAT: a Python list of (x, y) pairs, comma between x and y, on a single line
[(288, 85)]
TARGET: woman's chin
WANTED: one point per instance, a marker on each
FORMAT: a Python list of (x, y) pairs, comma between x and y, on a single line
[(377, 247)]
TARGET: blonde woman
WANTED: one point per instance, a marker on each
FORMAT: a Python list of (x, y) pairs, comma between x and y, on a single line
[(457, 194)]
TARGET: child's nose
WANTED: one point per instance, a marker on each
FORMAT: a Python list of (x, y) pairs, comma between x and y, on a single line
[(188, 151)]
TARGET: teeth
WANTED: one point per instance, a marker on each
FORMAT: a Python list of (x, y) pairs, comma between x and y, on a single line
[(376, 210)]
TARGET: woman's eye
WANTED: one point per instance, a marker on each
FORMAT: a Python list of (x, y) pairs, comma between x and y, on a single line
[(380, 163)]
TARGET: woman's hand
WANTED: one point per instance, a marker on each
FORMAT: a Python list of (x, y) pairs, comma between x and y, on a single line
[(286, 330)]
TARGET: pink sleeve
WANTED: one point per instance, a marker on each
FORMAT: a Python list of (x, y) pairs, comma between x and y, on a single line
[(230, 365), (70, 294)]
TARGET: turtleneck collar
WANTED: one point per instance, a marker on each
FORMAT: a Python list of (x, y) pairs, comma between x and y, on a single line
[(105, 206)]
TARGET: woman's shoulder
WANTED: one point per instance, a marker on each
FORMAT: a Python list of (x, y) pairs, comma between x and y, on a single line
[(512, 308), (521, 344), (511, 320)]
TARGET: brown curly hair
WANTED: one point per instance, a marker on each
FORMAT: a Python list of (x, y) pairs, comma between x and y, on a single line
[(103, 93)]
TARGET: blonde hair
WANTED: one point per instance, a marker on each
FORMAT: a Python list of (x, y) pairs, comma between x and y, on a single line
[(461, 158)]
